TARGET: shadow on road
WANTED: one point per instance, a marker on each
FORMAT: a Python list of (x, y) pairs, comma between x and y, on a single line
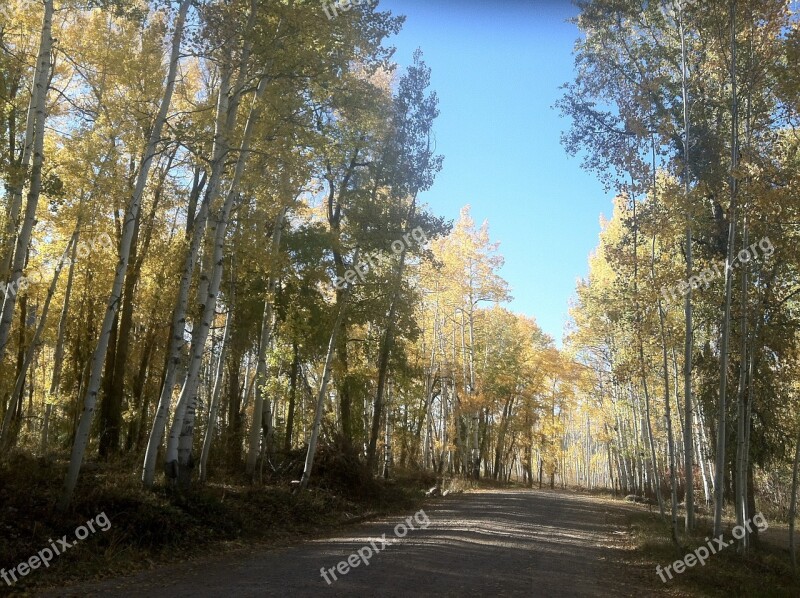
[(492, 543)]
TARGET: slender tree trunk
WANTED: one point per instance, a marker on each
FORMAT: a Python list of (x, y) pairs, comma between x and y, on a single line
[(688, 345), (323, 389), (213, 408), (680, 452), (179, 460), (741, 412), (704, 450), (36, 109), (195, 238), (179, 447), (656, 479), (430, 381), (638, 439), (58, 355), (21, 347), (501, 435), (16, 396), (673, 473), (387, 440), (107, 414), (747, 465), (48, 410), (343, 388), (719, 484), (287, 441), (265, 340), (541, 468), (82, 435), (38, 104), (701, 459), (112, 404), (233, 438), (383, 362)]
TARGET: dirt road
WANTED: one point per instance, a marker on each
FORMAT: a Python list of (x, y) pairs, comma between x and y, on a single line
[(491, 543)]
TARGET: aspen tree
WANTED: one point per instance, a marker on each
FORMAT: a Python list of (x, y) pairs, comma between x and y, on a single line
[(82, 435), (33, 150)]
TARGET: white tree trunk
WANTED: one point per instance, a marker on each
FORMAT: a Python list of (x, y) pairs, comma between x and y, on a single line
[(227, 110), (82, 434), (58, 355), (688, 345), (182, 299), (740, 483), (41, 77), (701, 460), (214, 407), (178, 462), (39, 107)]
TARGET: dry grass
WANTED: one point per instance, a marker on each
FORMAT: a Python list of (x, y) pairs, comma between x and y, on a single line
[(764, 572)]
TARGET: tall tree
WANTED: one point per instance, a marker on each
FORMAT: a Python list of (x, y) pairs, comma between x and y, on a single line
[(131, 215)]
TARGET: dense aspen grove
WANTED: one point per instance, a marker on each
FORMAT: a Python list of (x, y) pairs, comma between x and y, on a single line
[(688, 320), (216, 255)]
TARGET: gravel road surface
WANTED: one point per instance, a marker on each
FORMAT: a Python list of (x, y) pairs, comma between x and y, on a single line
[(488, 543)]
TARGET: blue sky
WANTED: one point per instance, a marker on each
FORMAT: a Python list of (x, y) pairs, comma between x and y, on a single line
[(497, 67)]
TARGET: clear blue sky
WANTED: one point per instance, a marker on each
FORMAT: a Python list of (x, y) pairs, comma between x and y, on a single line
[(497, 67)]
